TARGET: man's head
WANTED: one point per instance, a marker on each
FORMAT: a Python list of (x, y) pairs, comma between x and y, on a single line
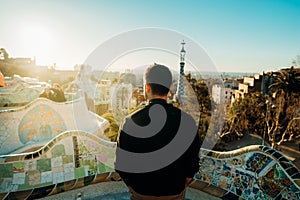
[(158, 79)]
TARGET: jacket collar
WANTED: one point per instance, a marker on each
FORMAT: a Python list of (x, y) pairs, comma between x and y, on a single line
[(157, 101)]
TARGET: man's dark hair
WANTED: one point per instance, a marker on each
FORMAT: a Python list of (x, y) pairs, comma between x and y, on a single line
[(159, 78)]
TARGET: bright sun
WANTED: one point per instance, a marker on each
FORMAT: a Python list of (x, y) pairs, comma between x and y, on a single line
[(39, 42)]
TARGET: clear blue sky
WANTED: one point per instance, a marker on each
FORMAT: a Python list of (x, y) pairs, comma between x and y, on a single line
[(238, 35)]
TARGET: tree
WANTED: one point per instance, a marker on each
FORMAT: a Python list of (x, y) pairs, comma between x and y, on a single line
[(243, 116), (275, 115), (281, 117), (287, 81), (114, 127), (292, 132), (209, 117), (3, 55)]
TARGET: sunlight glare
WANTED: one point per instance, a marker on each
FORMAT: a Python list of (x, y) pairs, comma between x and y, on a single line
[(39, 42)]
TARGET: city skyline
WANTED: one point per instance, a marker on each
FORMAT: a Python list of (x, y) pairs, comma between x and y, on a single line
[(239, 36)]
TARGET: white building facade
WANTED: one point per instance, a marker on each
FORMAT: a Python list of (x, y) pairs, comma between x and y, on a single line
[(222, 95)]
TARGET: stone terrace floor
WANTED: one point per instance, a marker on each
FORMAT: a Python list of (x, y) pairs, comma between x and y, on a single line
[(115, 191)]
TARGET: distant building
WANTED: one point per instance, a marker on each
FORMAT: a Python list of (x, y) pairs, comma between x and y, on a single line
[(102, 99), (241, 91), (222, 95), (103, 92), (22, 61), (64, 75), (122, 96), (254, 83), (121, 101), (249, 85), (228, 83), (104, 75)]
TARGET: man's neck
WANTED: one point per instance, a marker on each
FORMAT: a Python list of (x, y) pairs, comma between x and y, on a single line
[(158, 97)]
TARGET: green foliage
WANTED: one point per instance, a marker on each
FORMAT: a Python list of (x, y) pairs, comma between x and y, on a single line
[(287, 80), (203, 115), (114, 127), (245, 115), (276, 115)]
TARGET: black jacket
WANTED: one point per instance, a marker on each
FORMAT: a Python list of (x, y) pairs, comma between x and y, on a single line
[(165, 180)]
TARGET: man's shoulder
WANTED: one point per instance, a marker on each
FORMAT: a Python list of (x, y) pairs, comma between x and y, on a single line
[(144, 111), (140, 111)]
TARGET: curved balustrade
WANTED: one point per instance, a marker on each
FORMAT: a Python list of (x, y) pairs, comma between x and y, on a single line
[(20, 97), (37, 123), (75, 159), (48, 147), (19, 91), (70, 160), (253, 172), (12, 84)]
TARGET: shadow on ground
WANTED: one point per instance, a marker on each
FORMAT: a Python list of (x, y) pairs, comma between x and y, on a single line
[(116, 191)]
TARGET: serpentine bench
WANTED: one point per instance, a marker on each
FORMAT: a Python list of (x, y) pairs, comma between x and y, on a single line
[(252, 172), (35, 124), (19, 91), (20, 97), (70, 160), (48, 147)]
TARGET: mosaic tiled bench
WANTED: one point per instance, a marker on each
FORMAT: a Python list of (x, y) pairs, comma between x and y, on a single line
[(12, 84), (19, 97), (253, 172), (19, 91), (72, 159), (49, 147), (42, 120), (46, 144)]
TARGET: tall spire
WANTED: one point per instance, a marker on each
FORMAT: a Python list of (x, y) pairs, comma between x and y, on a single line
[(182, 52), (180, 94)]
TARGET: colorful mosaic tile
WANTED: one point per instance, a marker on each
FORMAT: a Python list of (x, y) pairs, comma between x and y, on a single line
[(254, 174), (19, 96), (58, 150), (41, 123), (34, 177), (44, 165), (6, 170), (59, 159), (58, 177), (46, 177)]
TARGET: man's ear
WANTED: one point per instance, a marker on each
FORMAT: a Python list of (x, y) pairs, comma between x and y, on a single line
[(147, 87)]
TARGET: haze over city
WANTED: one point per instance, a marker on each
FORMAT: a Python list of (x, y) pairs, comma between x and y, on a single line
[(239, 36)]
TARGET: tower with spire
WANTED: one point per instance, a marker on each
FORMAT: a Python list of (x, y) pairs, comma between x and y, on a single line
[(180, 94)]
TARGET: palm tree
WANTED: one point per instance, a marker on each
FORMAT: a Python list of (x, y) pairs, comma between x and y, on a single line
[(286, 87), (287, 81)]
